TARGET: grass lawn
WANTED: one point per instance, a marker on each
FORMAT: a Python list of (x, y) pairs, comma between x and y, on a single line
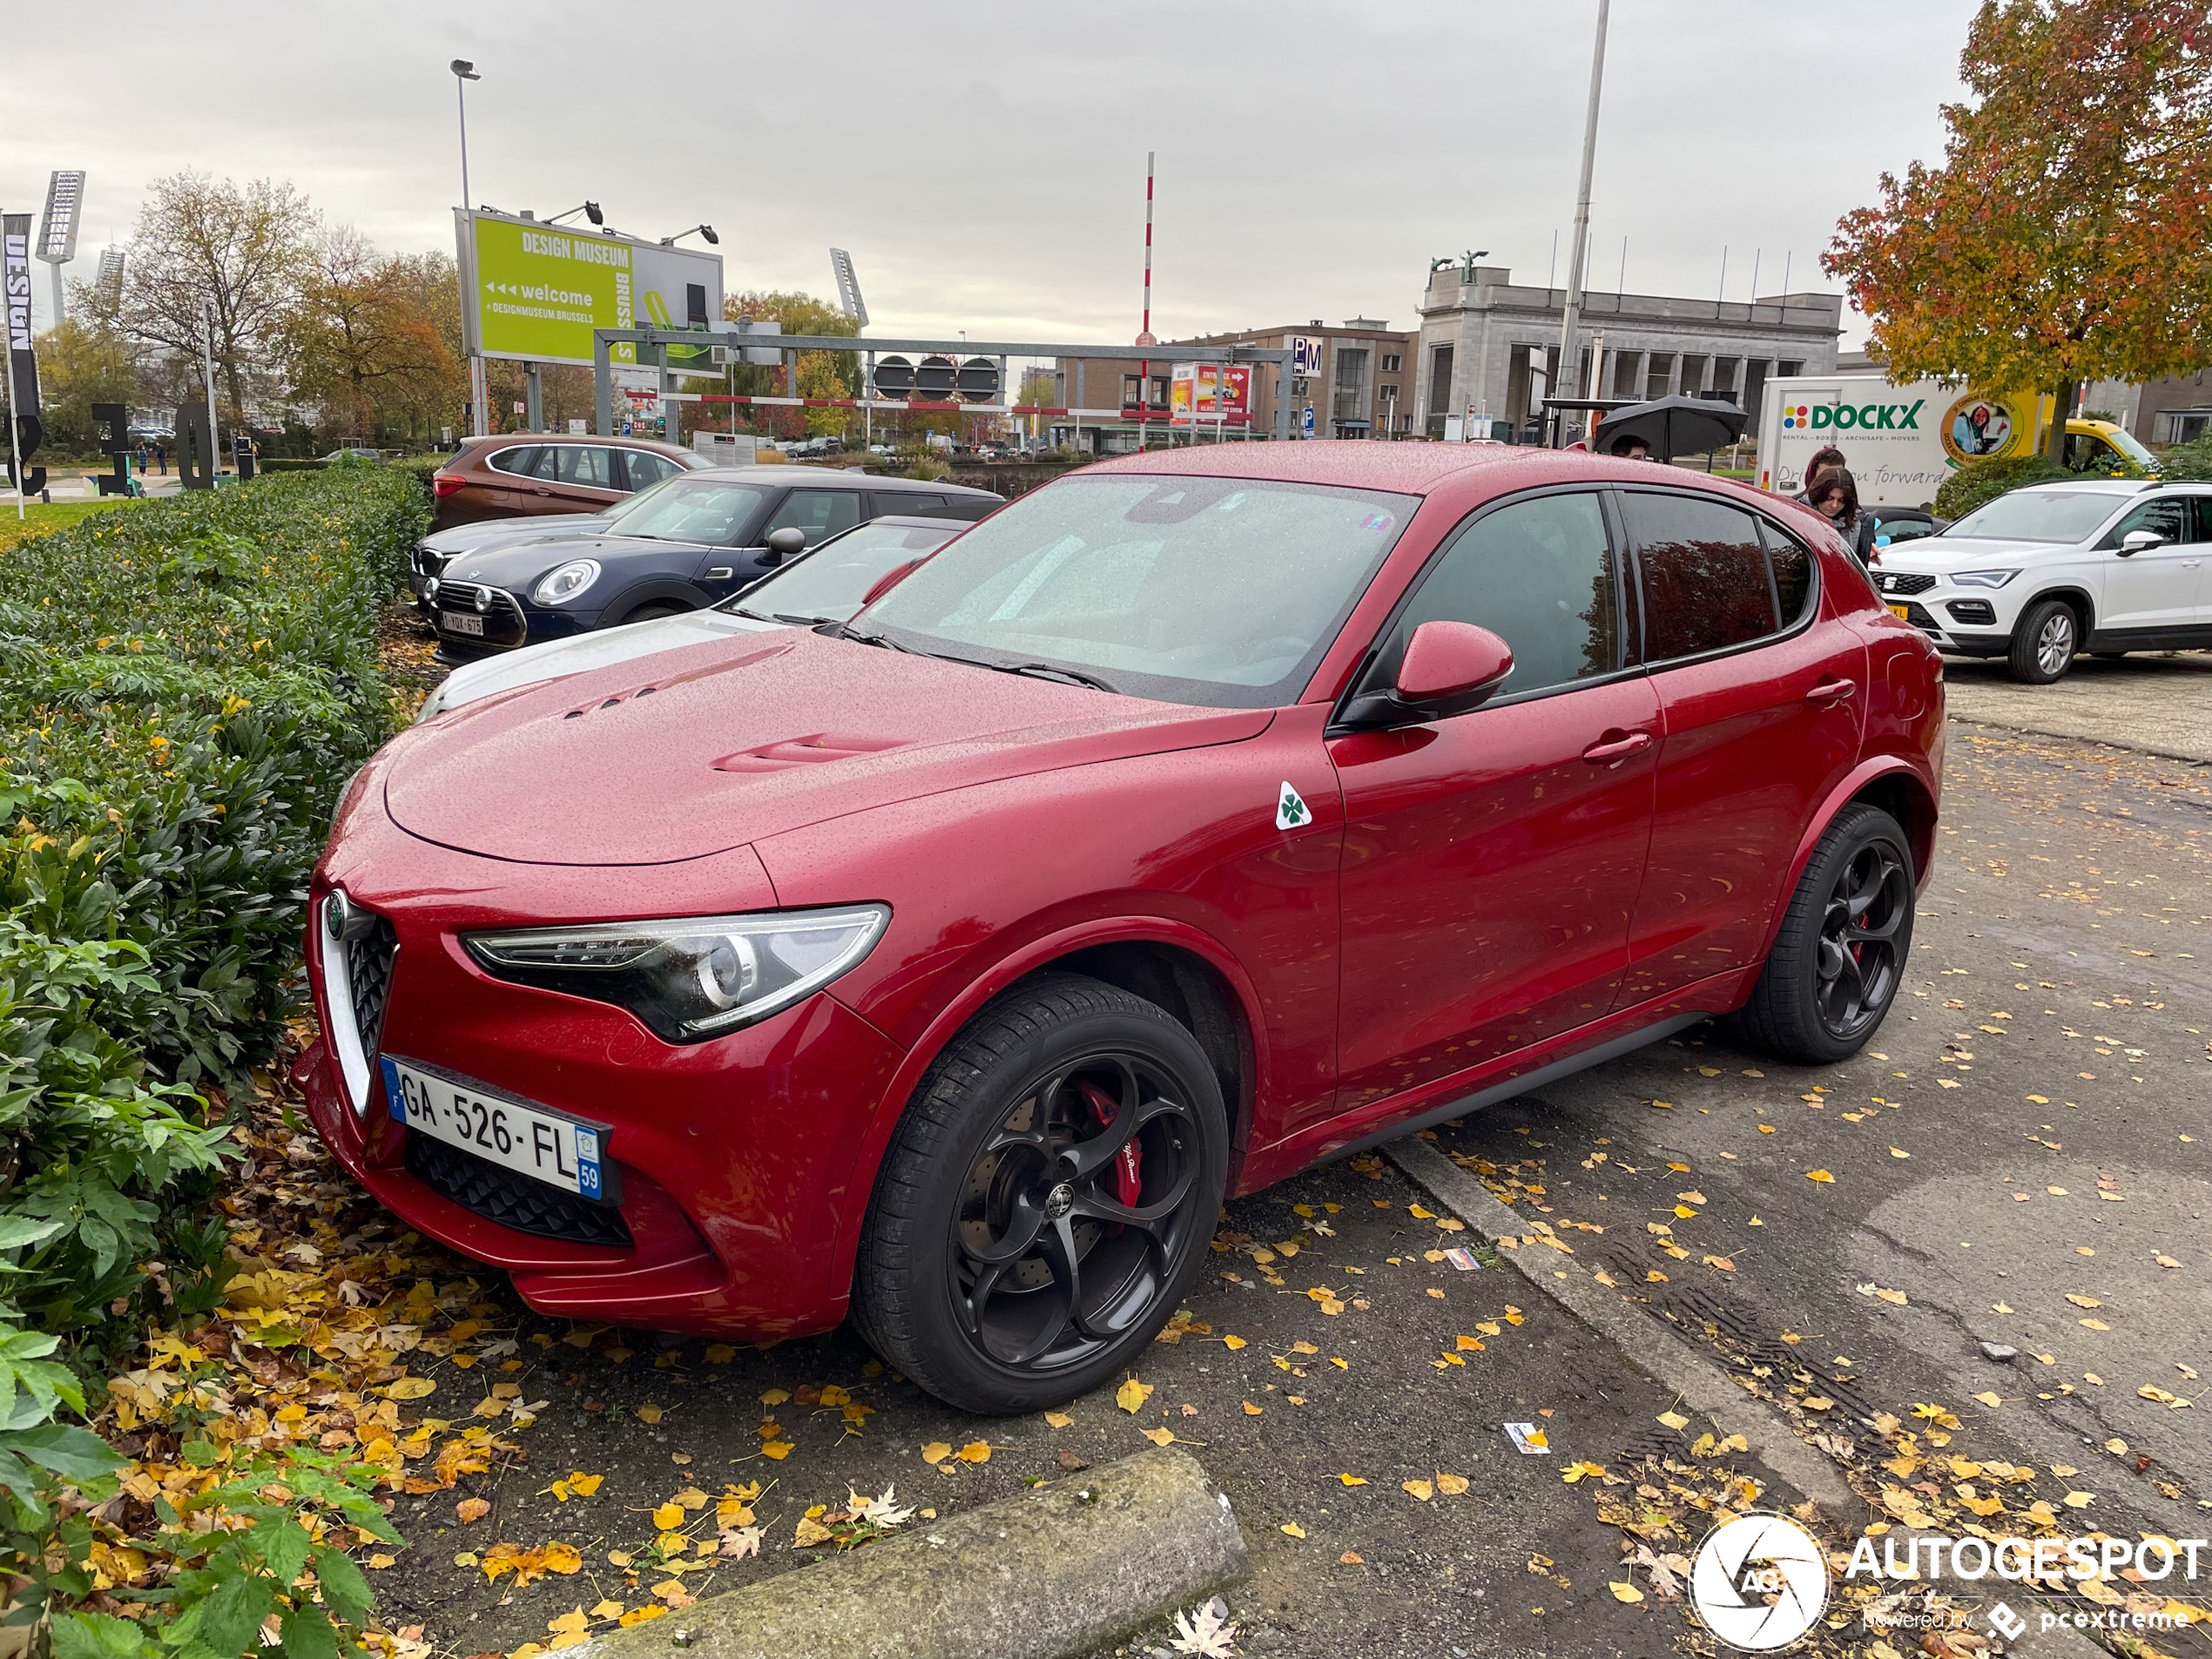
[(38, 518)]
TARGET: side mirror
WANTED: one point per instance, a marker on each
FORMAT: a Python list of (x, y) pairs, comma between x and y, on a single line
[(786, 541), (1448, 668), (2135, 541)]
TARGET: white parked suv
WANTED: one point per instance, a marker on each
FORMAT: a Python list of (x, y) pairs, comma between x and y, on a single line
[(2103, 565)]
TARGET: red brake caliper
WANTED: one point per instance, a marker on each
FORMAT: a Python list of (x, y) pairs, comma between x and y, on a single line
[(1128, 1162)]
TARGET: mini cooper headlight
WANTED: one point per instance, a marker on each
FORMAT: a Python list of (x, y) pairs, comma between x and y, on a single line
[(558, 587), (690, 978), (1982, 578)]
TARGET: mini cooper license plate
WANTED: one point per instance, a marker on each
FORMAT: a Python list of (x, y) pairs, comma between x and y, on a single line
[(460, 622), (1902, 612), (549, 1146)]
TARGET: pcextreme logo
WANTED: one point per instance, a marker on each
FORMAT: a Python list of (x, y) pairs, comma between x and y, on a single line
[(1844, 417)]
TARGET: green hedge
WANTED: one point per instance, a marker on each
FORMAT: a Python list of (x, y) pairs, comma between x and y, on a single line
[(2191, 460), (185, 684), (1978, 482)]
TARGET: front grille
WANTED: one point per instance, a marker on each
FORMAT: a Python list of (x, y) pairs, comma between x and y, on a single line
[(1899, 582), (369, 957), (510, 1200), (503, 624)]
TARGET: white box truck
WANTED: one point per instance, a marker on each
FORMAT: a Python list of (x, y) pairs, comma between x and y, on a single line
[(1900, 443)]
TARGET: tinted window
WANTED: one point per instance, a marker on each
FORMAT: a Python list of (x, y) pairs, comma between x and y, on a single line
[(1218, 592), (819, 512), (522, 462), (1703, 573), (2170, 517), (913, 502), (584, 465), (646, 468), (1792, 567), (1539, 574), (2203, 518)]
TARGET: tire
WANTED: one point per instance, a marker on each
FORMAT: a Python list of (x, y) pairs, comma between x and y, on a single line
[(1817, 1001), (2045, 641), (971, 1171)]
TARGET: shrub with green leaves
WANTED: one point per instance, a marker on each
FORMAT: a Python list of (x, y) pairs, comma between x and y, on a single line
[(1976, 483), (185, 685)]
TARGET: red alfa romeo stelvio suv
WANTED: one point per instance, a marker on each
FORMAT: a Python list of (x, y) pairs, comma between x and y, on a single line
[(1192, 820)]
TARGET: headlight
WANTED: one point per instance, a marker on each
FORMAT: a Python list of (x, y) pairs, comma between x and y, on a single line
[(1982, 578), (692, 978), (558, 587)]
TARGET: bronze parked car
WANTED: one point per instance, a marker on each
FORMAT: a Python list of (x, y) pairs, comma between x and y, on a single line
[(524, 474)]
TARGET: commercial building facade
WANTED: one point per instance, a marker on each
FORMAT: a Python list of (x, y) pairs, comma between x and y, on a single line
[(1489, 347), (1364, 388)]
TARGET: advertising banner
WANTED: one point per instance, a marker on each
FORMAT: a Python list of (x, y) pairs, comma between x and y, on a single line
[(23, 358), (1211, 392), (536, 292)]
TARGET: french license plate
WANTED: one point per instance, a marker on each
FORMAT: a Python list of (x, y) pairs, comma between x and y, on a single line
[(1902, 612), (460, 622), (549, 1146)]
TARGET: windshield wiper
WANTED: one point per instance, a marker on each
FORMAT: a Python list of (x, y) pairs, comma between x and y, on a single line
[(1052, 672), (841, 630)]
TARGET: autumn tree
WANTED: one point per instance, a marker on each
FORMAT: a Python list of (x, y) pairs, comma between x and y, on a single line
[(243, 249), (362, 340), (821, 374), (2068, 235), (80, 364)]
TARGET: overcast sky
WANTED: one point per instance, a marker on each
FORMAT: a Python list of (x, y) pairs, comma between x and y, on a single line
[(985, 164)]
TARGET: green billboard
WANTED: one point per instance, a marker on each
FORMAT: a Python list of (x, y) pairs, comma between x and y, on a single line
[(536, 292)]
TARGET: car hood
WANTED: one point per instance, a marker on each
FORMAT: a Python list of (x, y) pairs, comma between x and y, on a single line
[(600, 648), (517, 567), (1938, 554), (513, 532), (733, 740)]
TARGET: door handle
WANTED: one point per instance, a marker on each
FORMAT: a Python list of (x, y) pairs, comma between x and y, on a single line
[(1832, 691), (1609, 748)]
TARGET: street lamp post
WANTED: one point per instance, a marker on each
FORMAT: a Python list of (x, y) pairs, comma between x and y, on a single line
[(1569, 378), (479, 416)]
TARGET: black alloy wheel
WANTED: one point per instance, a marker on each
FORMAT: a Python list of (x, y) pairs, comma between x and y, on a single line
[(1870, 902), (1839, 955), (1049, 1196)]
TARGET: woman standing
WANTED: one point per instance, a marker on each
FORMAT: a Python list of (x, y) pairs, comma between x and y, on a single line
[(1835, 493)]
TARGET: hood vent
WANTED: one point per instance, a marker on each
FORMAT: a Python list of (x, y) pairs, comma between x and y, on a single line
[(799, 751)]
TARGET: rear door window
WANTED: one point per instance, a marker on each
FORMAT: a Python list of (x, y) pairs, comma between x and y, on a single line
[(910, 504), (584, 465), (1702, 572), (521, 460)]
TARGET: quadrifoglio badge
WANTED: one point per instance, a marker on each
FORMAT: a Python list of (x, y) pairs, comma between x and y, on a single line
[(1760, 1582)]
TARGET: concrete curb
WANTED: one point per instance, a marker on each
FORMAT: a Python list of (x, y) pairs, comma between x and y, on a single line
[(1059, 1570), (2126, 746), (1705, 1388)]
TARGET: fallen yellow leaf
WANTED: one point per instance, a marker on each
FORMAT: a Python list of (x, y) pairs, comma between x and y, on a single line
[(1158, 1436), (668, 1517), (1351, 1480), (472, 1508), (411, 1388), (1058, 1420), (778, 1449), (1422, 1490), (936, 1452), (1294, 1530), (650, 1413), (1232, 1343), (1451, 1485), (1131, 1396), (1819, 1174), (1627, 1593), (976, 1451)]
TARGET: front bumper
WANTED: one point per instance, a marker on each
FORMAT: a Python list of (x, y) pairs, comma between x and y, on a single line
[(1970, 622), (509, 621), (734, 1157)]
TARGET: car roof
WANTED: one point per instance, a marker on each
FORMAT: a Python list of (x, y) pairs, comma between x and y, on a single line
[(821, 478), (654, 444), (912, 521)]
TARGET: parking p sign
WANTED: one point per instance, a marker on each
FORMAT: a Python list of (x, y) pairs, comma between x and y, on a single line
[(1305, 356)]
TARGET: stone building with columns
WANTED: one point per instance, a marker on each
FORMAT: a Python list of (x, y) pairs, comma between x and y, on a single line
[(1489, 347)]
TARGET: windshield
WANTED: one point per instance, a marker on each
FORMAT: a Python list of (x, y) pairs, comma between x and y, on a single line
[(1217, 591), (692, 509), (2038, 516), (2130, 446), (828, 584)]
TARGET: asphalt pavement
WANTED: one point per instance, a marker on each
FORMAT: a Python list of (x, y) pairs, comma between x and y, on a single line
[(2029, 1127)]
